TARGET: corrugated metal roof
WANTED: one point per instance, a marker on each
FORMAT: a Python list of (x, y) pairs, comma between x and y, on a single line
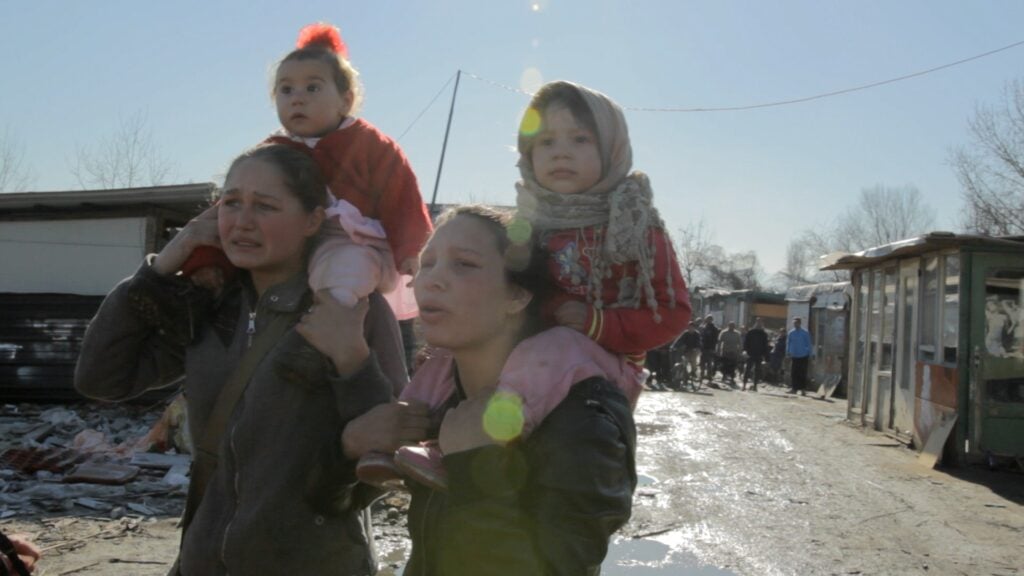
[(711, 293), (40, 338), (179, 197), (918, 245), (805, 292)]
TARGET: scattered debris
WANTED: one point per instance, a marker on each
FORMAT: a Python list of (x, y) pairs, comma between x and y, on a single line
[(90, 458), (102, 473), (32, 460), (159, 461)]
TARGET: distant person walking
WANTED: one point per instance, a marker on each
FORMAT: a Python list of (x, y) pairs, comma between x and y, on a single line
[(755, 344), (691, 344), (730, 347), (798, 349), (709, 342)]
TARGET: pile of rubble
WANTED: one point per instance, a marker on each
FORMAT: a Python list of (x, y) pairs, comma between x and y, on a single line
[(78, 474), (111, 460)]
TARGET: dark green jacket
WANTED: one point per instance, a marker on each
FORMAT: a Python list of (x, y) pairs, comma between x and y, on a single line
[(544, 507)]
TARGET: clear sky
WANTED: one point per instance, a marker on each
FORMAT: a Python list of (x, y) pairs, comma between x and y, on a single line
[(199, 71)]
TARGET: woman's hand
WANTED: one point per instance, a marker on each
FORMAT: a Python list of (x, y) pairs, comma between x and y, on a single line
[(200, 231), (463, 426), (26, 550), (336, 331), (385, 428)]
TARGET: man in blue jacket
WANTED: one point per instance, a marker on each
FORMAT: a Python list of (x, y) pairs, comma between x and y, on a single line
[(798, 348)]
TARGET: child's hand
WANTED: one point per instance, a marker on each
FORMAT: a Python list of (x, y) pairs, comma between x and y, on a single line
[(336, 331), (27, 552), (573, 315), (209, 277), (410, 266)]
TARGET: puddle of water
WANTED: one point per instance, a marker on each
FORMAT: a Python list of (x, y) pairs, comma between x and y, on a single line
[(662, 554), (391, 560), (659, 555), (645, 480), (650, 429)]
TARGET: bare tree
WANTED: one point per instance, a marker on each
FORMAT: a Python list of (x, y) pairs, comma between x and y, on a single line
[(992, 171), (805, 255), (694, 240), (125, 159), (14, 175), (881, 215), (739, 271), (799, 264)]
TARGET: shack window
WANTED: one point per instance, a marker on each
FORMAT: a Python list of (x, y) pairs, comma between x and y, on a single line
[(929, 309), (860, 330), (875, 343), (951, 308), (888, 319), (1004, 314)]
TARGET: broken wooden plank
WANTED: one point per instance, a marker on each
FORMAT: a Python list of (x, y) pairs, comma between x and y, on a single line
[(159, 461), (829, 386), (932, 453), (102, 473)]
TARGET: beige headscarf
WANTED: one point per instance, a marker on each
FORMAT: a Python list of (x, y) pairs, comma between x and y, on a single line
[(620, 205)]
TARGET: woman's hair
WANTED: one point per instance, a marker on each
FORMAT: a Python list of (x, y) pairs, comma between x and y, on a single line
[(560, 93), (301, 174), (345, 76), (525, 263)]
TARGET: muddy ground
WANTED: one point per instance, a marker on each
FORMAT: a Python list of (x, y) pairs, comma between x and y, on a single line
[(731, 483)]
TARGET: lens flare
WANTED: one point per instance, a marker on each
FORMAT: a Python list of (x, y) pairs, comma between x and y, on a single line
[(503, 417), (519, 230), (531, 80), (530, 123)]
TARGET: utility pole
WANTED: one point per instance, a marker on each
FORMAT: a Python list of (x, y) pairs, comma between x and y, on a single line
[(444, 146)]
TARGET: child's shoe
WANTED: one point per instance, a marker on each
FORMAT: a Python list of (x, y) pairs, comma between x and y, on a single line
[(422, 463), (379, 469)]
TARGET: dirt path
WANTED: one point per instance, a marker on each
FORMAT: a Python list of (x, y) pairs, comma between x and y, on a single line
[(769, 483), (762, 483)]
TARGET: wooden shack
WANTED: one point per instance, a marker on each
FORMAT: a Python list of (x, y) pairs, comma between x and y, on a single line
[(936, 342), (61, 253)]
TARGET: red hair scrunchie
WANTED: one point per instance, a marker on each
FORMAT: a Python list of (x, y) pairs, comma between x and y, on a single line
[(322, 35)]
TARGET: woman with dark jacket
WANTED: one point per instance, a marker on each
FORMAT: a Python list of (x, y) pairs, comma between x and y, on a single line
[(281, 495), (541, 505)]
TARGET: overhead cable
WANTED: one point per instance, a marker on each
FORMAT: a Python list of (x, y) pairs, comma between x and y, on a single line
[(784, 102), (424, 111)]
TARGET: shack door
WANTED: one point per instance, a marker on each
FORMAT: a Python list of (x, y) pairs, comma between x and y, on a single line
[(883, 347), (997, 341), (906, 337)]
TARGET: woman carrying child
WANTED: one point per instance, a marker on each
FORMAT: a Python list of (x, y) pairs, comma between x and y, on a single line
[(543, 504), (620, 291), (273, 487)]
